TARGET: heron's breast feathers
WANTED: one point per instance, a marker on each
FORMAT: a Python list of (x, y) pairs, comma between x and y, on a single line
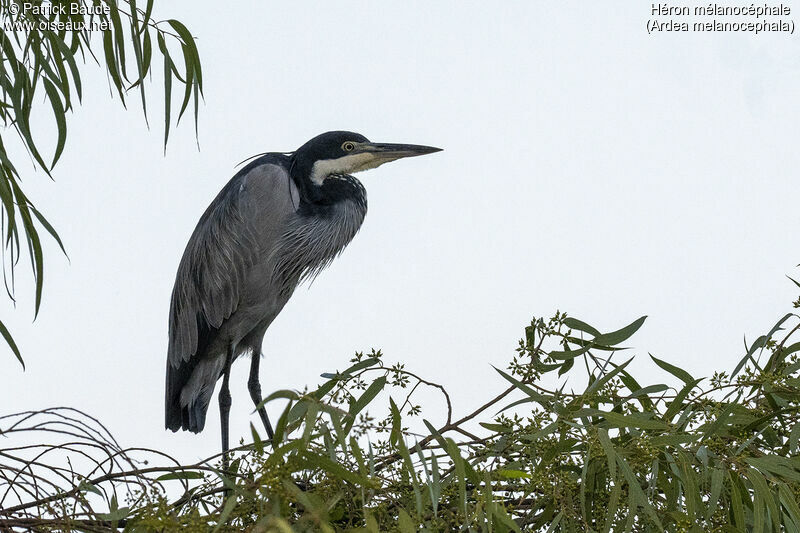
[(310, 243)]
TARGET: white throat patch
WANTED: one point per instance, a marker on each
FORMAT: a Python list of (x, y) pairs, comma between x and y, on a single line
[(345, 165)]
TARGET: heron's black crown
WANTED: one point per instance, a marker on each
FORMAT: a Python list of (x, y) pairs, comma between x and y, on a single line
[(329, 145)]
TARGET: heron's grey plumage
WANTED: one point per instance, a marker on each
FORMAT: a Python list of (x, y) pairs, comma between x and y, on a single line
[(247, 254), (279, 221)]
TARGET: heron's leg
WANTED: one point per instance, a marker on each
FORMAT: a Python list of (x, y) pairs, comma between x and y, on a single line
[(225, 406), (254, 386)]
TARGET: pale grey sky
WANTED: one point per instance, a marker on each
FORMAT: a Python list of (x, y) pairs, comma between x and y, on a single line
[(588, 167)]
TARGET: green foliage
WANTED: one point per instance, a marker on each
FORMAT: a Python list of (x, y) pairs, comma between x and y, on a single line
[(43, 45), (564, 447)]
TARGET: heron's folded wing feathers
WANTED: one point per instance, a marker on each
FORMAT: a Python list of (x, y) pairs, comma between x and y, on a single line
[(225, 245)]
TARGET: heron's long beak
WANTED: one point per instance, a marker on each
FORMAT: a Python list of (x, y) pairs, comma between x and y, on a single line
[(390, 152)]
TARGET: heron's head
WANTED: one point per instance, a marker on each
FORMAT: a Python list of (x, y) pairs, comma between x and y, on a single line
[(337, 153)]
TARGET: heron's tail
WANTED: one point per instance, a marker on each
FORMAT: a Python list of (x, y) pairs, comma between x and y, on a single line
[(189, 389)]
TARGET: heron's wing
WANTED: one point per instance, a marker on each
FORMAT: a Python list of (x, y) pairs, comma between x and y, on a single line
[(244, 219)]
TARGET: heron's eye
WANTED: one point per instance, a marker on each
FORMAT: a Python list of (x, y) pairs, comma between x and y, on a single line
[(348, 146)]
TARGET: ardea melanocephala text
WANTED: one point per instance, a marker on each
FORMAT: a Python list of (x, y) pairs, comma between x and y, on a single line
[(281, 219)]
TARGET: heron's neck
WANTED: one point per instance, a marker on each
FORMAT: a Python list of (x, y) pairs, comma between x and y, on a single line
[(335, 190), (325, 192)]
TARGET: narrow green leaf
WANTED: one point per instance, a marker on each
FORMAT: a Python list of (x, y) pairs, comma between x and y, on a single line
[(373, 390), (230, 505), (280, 427), (167, 86), (613, 506), (621, 335), (191, 51), (119, 38), (138, 51), (555, 522), (717, 477), (497, 428), (673, 440), (569, 354), (34, 243), (785, 467), (187, 93), (184, 474), (513, 474), (310, 421), (258, 444), (789, 502), (61, 121), (613, 419), (396, 434), (690, 486), (646, 391), (412, 474), (111, 64), (148, 11), (366, 363), (677, 403), (404, 522), (331, 467), (115, 515), (759, 344), (324, 389), (286, 394), (69, 56), (794, 438), (147, 54), (762, 498), (11, 344), (574, 323), (50, 229), (679, 373), (722, 419), (598, 384), (608, 448), (371, 523), (540, 434), (458, 462), (85, 486), (524, 388), (636, 492), (438, 436)]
